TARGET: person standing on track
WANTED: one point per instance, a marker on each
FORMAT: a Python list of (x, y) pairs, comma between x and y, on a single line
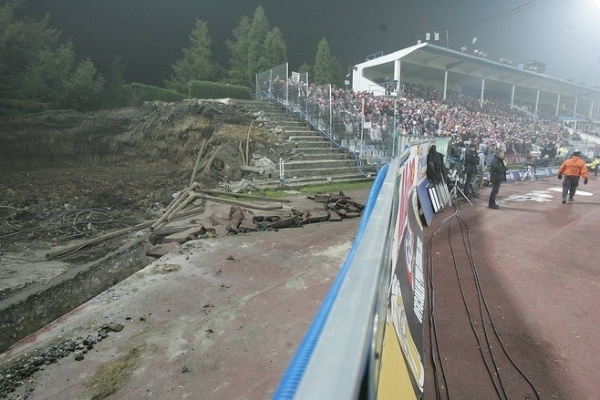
[(471, 163), (497, 176), (572, 168)]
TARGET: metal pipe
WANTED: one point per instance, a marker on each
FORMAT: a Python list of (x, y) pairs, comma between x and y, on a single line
[(173, 205)]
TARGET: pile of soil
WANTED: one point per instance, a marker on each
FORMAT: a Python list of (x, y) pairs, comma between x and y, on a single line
[(70, 176)]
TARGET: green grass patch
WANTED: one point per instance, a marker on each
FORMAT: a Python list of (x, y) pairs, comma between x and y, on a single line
[(334, 187), (113, 375)]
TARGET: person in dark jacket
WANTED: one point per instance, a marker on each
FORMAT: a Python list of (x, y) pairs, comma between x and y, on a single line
[(471, 163), (436, 168), (497, 176)]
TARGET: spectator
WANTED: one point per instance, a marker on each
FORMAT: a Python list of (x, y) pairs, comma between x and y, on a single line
[(480, 165), (375, 133)]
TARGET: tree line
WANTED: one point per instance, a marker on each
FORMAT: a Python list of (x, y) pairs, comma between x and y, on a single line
[(39, 70)]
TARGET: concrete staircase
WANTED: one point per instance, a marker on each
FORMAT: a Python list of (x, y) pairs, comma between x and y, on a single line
[(311, 158)]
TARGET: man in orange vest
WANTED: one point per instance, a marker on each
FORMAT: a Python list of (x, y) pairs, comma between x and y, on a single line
[(572, 168)]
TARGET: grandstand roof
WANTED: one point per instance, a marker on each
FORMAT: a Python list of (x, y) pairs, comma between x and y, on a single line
[(427, 62)]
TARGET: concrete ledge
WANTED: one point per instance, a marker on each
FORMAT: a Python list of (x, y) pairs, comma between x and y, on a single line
[(27, 311)]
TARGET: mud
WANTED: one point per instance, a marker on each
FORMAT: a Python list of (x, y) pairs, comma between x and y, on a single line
[(69, 176)]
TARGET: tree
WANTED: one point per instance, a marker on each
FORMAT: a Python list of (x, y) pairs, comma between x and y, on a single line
[(238, 50), (336, 69), (23, 44), (196, 63), (84, 90), (37, 68), (46, 75), (255, 48), (305, 69), (323, 69), (275, 51), (257, 60), (116, 95)]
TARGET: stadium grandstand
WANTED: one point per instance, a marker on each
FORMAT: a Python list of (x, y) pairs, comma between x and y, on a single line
[(449, 71), (427, 91)]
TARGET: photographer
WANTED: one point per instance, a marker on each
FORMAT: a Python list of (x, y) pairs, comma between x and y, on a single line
[(471, 164)]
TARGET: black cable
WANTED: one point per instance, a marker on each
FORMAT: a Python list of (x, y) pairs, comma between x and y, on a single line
[(483, 305), (433, 339), (469, 313), (493, 326), (467, 245)]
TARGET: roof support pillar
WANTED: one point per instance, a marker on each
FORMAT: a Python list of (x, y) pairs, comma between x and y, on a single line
[(397, 71), (512, 97), (557, 104), (445, 84), (537, 101), (591, 110), (575, 107), (482, 90)]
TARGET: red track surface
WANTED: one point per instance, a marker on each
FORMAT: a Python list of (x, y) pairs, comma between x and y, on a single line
[(532, 275)]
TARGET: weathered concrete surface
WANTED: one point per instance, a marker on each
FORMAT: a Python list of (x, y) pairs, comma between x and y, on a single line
[(31, 309), (217, 318)]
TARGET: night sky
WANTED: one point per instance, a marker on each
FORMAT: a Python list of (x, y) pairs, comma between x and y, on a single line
[(149, 34)]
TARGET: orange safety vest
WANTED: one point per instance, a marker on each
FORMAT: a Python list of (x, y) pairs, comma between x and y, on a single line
[(574, 166)]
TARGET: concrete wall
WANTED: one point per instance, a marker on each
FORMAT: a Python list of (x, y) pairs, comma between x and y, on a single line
[(30, 310)]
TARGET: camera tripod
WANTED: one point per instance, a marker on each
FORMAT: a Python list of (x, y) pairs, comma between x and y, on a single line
[(456, 188), (531, 173)]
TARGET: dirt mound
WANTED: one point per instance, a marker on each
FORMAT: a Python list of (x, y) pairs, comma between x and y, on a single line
[(70, 175)]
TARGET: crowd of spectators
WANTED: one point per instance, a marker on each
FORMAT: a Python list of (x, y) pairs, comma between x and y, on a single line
[(420, 111)]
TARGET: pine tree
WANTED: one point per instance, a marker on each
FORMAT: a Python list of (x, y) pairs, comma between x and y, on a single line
[(275, 52), (196, 63), (85, 88), (37, 68), (238, 50), (323, 69), (257, 59)]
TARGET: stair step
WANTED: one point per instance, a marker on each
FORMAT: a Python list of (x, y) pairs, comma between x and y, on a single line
[(305, 172), (311, 164), (315, 159), (313, 180), (318, 150), (296, 156)]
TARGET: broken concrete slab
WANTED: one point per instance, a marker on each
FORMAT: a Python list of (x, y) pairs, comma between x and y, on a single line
[(315, 215), (285, 223), (184, 236), (334, 216), (161, 249)]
